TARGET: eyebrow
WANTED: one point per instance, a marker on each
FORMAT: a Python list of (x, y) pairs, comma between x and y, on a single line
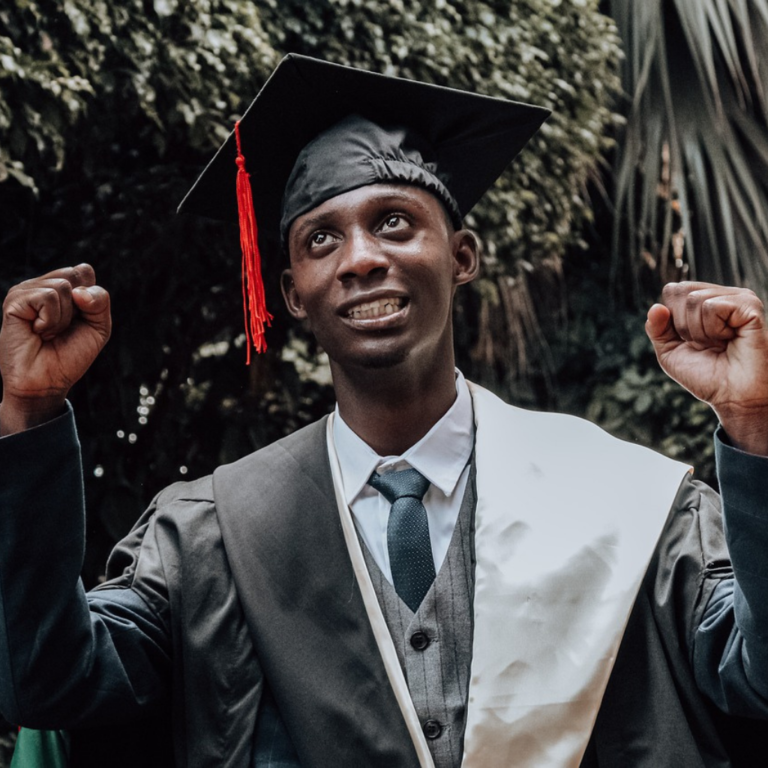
[(316, 220)]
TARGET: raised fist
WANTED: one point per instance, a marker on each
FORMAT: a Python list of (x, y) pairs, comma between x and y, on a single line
[(713, 340), (54, 327)]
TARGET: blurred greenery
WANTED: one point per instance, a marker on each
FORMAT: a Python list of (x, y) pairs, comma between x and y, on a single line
[(606, 371), (692, 165)]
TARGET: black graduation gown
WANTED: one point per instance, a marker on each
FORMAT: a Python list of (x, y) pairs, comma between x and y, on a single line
[(207, 600)]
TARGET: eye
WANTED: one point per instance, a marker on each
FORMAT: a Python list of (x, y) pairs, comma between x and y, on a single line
[(318, 238), (394, 221)]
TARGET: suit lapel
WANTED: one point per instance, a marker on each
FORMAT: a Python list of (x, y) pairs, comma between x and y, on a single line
[(285, 546)]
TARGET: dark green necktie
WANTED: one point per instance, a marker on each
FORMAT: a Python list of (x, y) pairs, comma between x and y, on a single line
[(410, 551)]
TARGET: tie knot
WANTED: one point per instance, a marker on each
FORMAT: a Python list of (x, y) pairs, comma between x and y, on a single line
[(398, 485)]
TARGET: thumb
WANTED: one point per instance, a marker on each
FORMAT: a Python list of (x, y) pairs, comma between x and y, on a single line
[(93, 303), (660, 328)]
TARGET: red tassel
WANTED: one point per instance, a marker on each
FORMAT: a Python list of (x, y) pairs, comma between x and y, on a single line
[(254, 300)]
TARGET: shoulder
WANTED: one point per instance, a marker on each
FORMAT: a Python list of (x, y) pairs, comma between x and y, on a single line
[(492, 410), (565, 440), (194, 491), (195, 501), (304, 447), (692, 546), (185, 498)]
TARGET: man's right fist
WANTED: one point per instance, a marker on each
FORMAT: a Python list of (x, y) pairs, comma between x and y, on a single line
[(54, 327)]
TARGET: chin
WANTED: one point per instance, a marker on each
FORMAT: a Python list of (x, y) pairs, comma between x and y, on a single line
[(380, 359), (383, 361)]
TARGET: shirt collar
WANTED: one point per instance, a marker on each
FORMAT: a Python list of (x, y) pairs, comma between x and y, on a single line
[(440, 455)]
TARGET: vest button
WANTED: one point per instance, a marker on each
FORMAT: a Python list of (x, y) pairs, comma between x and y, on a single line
[(432, 729), (419, 641)]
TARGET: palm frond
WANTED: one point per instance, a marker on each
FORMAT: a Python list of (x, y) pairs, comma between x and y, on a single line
[(695, 74)]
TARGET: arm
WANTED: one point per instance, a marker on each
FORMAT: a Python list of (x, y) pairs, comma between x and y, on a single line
[(730, 649), (713, 341), (65, 658)]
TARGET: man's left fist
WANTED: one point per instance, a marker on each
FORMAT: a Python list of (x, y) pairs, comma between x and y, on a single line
[(713, 341)]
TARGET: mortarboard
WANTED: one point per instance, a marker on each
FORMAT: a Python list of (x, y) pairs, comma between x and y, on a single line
[(317, 129)]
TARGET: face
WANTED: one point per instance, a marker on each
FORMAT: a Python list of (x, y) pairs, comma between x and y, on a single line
[(374, 271)]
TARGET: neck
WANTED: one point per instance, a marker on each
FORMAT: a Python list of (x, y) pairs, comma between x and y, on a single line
[(393, 409)]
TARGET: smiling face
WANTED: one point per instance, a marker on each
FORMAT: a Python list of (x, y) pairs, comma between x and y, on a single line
[(374, 271)]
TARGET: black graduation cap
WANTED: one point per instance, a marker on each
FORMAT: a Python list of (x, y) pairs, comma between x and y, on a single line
[(453, 142)]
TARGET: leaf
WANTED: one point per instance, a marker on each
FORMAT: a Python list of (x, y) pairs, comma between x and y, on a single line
[(702, 95), (643, 403)]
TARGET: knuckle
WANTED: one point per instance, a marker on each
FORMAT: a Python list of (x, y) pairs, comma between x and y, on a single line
[(693, 300), (84, 272), (669, 291), (753, 299), (49, 293), (14, 297), (711, 305)]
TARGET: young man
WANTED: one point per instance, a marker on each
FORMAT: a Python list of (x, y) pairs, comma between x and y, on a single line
[(429, 577)]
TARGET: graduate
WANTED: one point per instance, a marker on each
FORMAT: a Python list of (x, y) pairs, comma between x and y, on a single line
[(428, 576)]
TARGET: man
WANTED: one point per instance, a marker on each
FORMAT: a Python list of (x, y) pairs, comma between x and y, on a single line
[(429, 577)]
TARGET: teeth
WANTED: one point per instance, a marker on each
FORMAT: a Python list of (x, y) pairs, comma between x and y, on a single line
[(376, 309)]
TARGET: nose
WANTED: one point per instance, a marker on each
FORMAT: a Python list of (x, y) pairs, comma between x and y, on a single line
[(361, 255)]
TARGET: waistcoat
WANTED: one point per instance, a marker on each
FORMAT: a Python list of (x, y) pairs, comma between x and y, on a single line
[(434, 645)]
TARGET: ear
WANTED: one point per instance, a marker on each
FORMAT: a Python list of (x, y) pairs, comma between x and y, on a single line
[(466, 257), (291, 295)]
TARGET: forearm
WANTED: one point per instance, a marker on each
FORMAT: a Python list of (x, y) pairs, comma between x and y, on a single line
[(62, 661), (731, 644)]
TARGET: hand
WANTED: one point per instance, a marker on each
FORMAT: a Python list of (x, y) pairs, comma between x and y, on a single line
[(54, 327), (713, 341)]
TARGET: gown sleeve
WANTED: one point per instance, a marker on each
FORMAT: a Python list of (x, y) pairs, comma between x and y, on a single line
[(730, 645), (69, 659)]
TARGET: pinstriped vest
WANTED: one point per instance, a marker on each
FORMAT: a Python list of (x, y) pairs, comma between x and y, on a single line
[(434, 645)]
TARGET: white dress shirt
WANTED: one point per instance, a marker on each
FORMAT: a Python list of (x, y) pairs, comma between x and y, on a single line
[(442, 456)]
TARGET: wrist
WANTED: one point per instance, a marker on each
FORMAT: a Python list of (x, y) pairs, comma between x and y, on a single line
[(747, 431), (20, 414)]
